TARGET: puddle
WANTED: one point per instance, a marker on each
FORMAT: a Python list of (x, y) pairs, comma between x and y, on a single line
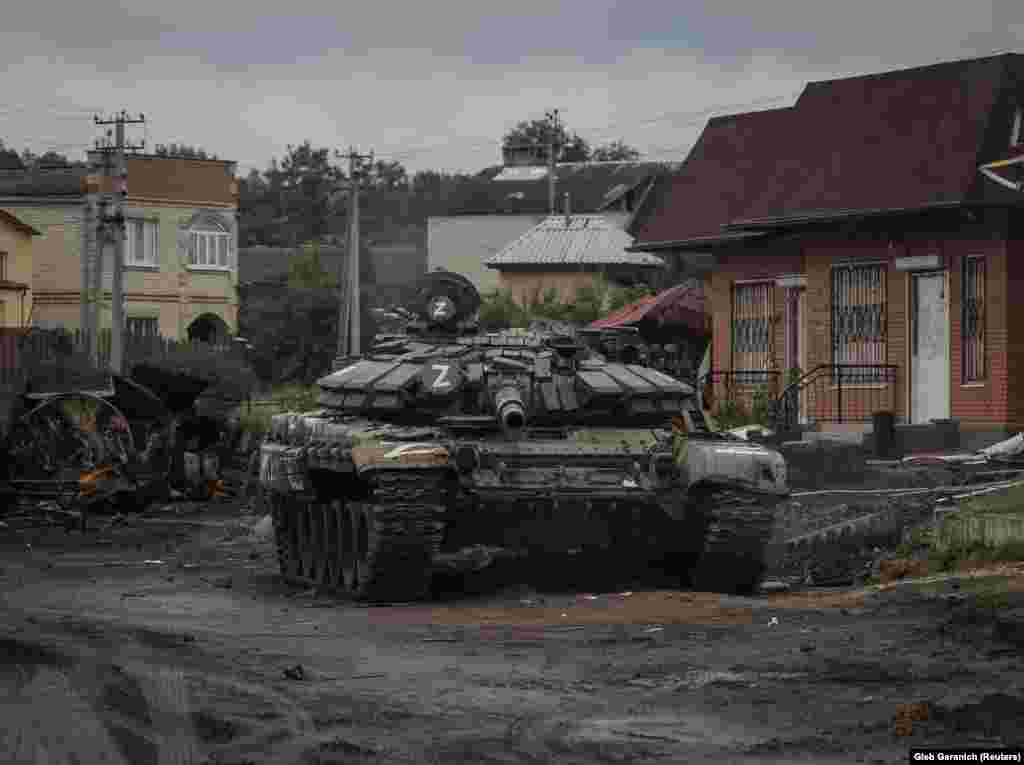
[(701, 678), (664, 729)]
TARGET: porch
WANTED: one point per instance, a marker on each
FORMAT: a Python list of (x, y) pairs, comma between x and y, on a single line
[(834, 400)]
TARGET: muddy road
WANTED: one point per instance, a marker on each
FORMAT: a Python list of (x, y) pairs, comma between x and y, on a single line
[(169, 639)]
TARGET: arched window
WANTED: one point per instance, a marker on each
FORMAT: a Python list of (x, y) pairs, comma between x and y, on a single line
[(210, 246)]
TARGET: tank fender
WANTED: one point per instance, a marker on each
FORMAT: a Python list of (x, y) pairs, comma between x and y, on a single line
[(400, 455), (746, 466)]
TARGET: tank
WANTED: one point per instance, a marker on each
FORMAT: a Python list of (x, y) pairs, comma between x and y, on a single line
[(444, 444)]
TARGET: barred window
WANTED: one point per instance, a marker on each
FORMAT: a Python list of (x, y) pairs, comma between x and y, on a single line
[(859, 321), (972, 321), (751, 326)]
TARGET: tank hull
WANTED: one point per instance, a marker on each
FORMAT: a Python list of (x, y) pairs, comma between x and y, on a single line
[(408, 509)]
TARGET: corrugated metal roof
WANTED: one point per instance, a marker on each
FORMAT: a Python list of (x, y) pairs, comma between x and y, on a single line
[(573, 240), (682, 304)]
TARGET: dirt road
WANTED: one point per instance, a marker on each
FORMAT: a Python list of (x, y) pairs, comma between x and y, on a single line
[(170, 640)]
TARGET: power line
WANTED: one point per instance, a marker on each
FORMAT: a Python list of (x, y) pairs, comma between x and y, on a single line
[(661, 117)]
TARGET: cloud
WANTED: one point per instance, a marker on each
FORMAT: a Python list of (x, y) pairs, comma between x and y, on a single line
[(436, 84)]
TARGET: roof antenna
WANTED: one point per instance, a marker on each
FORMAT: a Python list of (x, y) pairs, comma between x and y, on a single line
[(568, 215)]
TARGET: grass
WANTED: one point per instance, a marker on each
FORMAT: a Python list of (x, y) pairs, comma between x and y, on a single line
[(991, 592), (954, 560), (282, 398), (1008, 502)]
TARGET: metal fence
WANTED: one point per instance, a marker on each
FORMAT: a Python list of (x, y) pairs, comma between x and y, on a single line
[(23, 353)]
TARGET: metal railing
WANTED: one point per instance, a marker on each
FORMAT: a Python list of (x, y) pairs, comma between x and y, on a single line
[(837, 393)]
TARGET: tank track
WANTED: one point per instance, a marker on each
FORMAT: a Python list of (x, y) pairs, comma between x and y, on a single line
[(381, 550), (400, 534), (739, 528)]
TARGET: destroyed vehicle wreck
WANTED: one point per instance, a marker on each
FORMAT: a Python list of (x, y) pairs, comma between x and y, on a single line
[(94, 442)]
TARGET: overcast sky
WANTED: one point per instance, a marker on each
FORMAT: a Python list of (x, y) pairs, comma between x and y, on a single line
[(435, 84)]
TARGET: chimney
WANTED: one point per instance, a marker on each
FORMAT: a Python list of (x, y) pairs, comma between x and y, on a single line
[(568, 214)]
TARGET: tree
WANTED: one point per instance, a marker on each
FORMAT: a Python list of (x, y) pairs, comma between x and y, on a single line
[(536, 133), (52, 159), (304, 184), (616, 151), (9, 159), (390, 176), (306, 270), (182, 150)]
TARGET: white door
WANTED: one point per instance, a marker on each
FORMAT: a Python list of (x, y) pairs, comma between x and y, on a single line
[(929, 349), (795, 344)]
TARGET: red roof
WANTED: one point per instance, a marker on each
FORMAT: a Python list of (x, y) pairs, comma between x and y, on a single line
[(896, 140), (682, 304)]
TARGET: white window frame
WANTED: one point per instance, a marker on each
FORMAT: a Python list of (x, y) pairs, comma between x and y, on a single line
[(211, 248), (151, 243)]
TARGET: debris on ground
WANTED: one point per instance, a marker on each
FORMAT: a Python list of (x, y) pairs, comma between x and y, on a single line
[(264, 529)]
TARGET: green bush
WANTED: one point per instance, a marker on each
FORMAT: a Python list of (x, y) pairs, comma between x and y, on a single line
[(760, 409), (256, 418)]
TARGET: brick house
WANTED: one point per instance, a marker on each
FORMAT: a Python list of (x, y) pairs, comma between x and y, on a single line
[(180, 258), (857, 249), (16, 240)]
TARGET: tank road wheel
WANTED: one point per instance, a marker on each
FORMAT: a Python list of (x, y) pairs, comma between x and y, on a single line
[(293, 529), (739, 529), (307, 552), (331, 575), (282, 534), (321, 544), (348, 518), (287, 532), (397, 535)]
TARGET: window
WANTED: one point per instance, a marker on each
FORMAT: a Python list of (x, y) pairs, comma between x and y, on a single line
[(751, 326), (141, 243), (143, 327), (1018, 118), (3, 266), (972, 320), (211, 248), (859, 320)]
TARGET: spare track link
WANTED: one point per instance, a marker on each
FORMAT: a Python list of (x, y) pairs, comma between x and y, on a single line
[(739, 530), (405, 526)]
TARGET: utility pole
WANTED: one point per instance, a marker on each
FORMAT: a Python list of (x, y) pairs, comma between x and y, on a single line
[(117, 322), (553, 146), (349, 307)]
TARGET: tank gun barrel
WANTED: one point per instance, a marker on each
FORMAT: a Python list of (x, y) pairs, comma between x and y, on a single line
[(510, 409)]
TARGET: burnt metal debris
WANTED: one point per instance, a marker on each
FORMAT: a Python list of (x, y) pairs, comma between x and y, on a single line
[(118, 445), (442, 439)]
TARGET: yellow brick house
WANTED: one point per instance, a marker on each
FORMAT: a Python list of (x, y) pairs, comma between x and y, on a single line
[(181, 270), (16, 239)]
